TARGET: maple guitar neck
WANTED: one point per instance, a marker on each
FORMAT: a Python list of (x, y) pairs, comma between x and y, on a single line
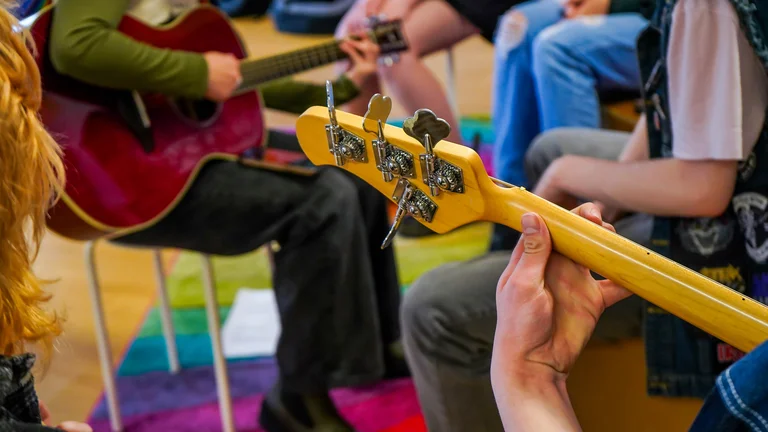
[(712, 307), (704, 303)]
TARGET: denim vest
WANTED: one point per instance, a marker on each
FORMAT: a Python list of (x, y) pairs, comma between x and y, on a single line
[(732, 249)]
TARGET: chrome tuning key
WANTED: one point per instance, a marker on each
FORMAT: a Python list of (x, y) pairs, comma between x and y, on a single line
[(344, 145), (410, 201), (390, 160), (438, 174)]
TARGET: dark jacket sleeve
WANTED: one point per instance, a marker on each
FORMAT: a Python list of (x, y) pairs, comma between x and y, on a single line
[(296, 96), (86, 46), (643, 7)]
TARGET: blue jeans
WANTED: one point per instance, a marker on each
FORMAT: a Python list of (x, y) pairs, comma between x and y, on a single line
[(549, 72), (739, 401)]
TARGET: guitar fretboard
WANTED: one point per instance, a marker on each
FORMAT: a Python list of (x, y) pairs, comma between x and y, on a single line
[(258, 71)]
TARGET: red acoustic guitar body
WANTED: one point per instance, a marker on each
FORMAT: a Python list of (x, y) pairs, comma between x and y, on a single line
[(116, 181)]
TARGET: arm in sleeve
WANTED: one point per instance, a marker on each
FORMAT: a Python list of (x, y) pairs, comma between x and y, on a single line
[(296, 96), (717, 85), (86, 45)]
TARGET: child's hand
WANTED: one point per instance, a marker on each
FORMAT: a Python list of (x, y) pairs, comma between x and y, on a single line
[(363, 54)]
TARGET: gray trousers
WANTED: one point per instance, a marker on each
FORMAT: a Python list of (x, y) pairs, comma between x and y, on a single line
[(337, 292), (449, 314)]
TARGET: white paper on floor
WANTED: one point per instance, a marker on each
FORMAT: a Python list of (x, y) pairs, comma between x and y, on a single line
[(252, 326)]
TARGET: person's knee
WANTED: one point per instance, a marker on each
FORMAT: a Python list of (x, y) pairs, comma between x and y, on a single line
[(551, 47), (335, 203), (433, 324), (426, 310)]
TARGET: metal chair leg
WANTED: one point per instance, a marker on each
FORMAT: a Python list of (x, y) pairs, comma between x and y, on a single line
[(165, 314), (219, 362), (102, 339), (453, 97)]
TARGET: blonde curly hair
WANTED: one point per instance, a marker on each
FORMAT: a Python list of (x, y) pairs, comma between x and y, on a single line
[(31, 176)]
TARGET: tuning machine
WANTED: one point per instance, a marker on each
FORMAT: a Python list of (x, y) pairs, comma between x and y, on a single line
[(438, 174), (390, 160), (410, 201), (344, 145)]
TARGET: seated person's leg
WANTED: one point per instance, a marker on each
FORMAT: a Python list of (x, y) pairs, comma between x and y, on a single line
[(577, 60), (327, 283), (572, 61), (515, 116), (449, 316)]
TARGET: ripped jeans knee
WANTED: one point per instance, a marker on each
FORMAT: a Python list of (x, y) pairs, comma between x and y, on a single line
[(511, 31)]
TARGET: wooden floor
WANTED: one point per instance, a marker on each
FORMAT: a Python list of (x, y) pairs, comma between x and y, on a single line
[(607, 386)]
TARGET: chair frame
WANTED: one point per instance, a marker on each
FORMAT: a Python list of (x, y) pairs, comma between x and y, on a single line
[(214, 330)]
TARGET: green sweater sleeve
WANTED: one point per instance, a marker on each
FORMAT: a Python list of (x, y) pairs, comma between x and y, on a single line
[(296, 96), (643, 7), (86, 46)]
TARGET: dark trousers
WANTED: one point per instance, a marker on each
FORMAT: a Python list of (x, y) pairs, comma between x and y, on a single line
[(337, 291)]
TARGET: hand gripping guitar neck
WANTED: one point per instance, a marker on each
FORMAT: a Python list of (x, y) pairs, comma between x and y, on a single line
[(449, 188)]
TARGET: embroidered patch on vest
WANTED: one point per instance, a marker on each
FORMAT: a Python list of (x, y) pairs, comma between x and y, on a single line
[(705, 236), (727, 353), (751, 209), (729, 276)]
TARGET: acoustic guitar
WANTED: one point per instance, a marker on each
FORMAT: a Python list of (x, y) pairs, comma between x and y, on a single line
[(445, 186), (130, 157)]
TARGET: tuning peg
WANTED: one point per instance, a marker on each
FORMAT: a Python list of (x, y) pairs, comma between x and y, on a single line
[(342, 144), (379, 108), (410, 201), (427, 128), (402, 211), (332, 129)]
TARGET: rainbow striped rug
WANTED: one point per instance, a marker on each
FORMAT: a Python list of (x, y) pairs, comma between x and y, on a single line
[(153, 400)]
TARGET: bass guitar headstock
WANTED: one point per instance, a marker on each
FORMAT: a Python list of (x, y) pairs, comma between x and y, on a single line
[(437, 182)]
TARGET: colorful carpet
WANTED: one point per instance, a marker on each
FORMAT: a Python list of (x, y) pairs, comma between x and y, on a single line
[(153, 400)]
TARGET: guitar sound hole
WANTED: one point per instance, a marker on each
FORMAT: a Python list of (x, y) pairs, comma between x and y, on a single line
[(200, 111)]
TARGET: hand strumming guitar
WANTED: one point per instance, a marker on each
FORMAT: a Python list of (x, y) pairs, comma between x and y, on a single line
[(363, 55), (223, 75)]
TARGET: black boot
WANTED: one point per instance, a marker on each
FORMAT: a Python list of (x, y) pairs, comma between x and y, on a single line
[(284, 411)]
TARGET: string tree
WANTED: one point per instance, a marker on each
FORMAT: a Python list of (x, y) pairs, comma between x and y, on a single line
[(439, 174), (344, 145), (410, 201), (390, 160)]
